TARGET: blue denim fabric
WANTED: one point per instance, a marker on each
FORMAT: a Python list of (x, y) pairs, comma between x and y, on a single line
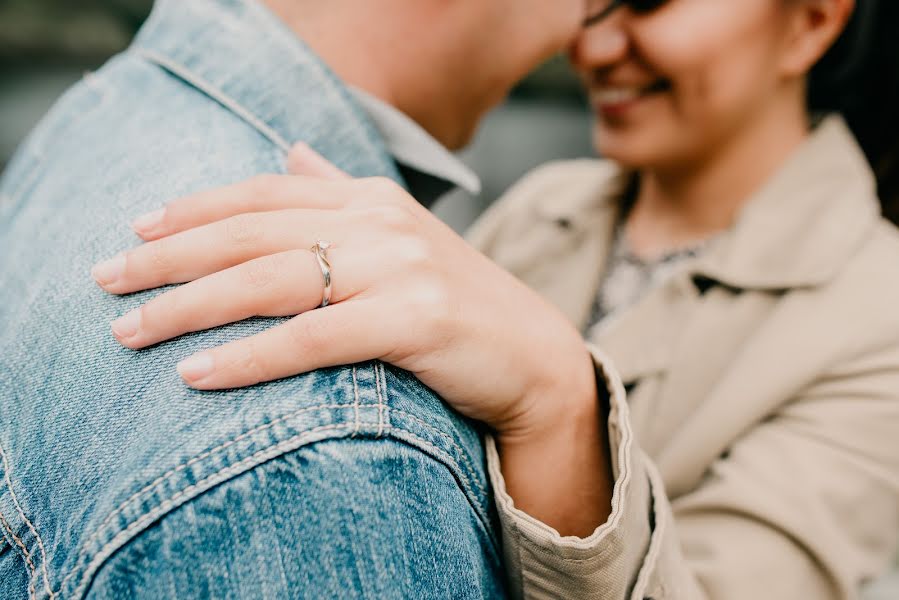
[(118, 481)]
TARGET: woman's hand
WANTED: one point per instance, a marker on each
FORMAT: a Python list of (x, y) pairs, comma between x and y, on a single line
[(406, 290)]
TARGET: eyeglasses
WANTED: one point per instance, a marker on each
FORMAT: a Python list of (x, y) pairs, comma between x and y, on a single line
[(600, 9)]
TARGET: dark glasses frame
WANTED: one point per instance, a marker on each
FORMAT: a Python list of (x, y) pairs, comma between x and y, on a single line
[(639, 6)]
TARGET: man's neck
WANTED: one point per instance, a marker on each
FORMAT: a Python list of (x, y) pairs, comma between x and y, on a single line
[(325, 29), (367, 57)]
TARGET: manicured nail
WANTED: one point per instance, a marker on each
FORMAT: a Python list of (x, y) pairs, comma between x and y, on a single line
[(127, 326), (109, 271), (149, 221), (196, 367)]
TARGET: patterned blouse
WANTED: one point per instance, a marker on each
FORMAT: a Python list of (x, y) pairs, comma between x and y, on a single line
[(628, 277)]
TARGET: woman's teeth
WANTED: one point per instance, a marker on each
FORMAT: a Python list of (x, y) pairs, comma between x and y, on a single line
[(618, 95), (623, 95)]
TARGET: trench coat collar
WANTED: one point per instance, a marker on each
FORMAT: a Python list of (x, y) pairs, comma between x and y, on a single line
[(798, 230)]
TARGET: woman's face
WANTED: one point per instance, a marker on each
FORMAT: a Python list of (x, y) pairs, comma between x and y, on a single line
[(672, 85)]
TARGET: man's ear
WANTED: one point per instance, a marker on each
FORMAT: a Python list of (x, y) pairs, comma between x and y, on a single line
[(815, 26)]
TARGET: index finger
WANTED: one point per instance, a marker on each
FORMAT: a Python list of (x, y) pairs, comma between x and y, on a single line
[(262, 193)]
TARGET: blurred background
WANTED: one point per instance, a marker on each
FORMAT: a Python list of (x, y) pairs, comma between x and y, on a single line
[(47, 45)]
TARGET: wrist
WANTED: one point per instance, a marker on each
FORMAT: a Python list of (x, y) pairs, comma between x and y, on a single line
[(556, 465), (564, 403)]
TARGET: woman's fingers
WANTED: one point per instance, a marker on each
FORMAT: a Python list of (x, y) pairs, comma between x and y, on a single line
[(260, 194), (282, 284), (303, 160), (339, 334), (192, 254)]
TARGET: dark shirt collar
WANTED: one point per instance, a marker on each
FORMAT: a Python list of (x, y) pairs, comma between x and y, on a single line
[(429, 168)]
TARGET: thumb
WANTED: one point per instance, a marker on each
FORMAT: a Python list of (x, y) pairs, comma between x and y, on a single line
[(303, 160)]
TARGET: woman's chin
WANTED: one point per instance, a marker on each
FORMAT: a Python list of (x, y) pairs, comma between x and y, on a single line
[(633, 156), (634, 148)]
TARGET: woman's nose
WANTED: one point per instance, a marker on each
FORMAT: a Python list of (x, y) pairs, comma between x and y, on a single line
[(600, 45)]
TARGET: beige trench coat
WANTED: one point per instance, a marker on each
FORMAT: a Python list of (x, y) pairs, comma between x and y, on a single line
[(757, 446)]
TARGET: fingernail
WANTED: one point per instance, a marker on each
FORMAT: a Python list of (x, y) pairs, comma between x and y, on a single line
[(127, 326), (148, 221), (196, 367), (109, 271)]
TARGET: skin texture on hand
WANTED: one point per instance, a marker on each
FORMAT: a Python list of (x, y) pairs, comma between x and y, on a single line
[(406, 290)]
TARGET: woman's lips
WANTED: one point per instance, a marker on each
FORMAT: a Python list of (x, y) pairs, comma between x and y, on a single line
[(617, 100)]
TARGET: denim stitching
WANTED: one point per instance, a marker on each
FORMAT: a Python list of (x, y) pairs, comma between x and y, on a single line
[(192, 462), (355, 403), (40, 542), (25, 554), (169, 503), (380, 399), (380, 431), (433, 429), (386, 420), (448, 438), (213, 92), (235, 468), (445, 456)]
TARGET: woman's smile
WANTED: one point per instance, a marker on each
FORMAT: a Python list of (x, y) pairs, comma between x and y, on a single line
[(617, 100)]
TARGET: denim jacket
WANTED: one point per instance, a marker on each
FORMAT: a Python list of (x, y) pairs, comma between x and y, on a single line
[(117, 480)]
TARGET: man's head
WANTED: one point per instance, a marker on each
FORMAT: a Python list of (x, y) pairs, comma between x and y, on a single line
[(443, 62)]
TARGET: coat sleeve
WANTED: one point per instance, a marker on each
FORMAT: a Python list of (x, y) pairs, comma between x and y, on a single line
[(804, 505)]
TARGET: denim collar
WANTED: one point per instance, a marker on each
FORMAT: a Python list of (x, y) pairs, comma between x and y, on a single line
[(245, 58)]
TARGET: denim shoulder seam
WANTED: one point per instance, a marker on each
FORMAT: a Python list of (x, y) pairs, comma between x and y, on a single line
[(88, 559), (213, 92), (148, 489), (186, 494), (40, 542), (380, 383), (222, 475), (439, 452), (384, 420), (355, 403), (206, 454), (30, 571), (448, 438)]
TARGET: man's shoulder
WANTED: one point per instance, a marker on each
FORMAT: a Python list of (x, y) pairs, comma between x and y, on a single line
[(100, 441), (132, 128), (374, 512), (131, 459)]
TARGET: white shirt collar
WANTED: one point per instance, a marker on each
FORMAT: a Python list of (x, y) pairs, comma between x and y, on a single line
[(414, 147)]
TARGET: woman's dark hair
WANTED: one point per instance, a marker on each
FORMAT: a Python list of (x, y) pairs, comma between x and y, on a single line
[(859, 77)]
